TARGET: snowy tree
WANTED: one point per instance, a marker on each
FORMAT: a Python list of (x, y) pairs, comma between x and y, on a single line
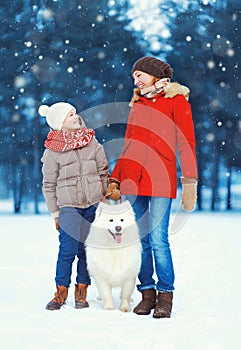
[(82, 52), (201, 41), (152, 22), (53, 52), (207, 52)]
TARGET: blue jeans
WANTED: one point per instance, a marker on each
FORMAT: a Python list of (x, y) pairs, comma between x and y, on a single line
[(152, 215), (74, 228)]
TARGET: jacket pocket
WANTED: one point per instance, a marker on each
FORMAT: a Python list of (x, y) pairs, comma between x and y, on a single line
[(94, 188), (67, 192)]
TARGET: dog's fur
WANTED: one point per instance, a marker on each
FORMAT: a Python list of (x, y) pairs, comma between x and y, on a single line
[(113, 252)]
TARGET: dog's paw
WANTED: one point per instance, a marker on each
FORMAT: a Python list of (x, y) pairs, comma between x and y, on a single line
[(125, 307), (108, 306)]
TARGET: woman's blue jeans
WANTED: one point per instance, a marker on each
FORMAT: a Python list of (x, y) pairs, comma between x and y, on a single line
[(152, 215), (74, 228)]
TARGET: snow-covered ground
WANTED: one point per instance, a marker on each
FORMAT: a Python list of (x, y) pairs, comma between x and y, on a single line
[(206, 312)]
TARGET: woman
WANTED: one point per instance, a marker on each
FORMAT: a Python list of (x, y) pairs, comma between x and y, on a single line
[(159, 123), (75, 175)]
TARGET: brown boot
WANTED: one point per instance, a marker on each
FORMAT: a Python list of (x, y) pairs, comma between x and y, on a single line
[(163, 307), (148, 302), (59, 298), (80, 296)]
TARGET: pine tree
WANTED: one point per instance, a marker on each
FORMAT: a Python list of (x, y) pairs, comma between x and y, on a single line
[(56, 51)]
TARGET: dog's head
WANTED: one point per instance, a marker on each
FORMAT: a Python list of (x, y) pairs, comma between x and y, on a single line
[(115, 219)]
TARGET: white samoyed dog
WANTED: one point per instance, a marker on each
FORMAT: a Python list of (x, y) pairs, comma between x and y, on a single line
[(113, 252)]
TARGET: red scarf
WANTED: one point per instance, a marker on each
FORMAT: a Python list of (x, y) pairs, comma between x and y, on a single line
[(62, 141)]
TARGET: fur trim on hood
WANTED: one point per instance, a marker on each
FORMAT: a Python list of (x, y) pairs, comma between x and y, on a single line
[(170, 91), (174, 89)]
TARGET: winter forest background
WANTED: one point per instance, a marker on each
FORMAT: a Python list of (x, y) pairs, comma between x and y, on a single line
[(82, 52)]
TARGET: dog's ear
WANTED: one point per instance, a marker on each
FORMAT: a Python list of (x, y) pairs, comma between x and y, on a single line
[(98, 210), (132, 212)]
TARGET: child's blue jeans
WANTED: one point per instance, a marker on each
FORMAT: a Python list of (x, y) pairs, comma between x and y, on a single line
[(74, 228)]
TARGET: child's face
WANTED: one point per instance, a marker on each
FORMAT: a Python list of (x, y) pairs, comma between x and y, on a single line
[(142, 79), (71, 122)]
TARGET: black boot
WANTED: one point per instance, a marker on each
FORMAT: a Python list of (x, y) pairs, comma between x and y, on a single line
[(59, 298), (148, 302), (163, 307)]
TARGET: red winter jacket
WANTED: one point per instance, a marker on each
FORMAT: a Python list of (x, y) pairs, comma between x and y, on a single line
[(156, 128)]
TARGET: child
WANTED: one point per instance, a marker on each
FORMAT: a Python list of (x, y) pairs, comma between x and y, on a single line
[(75, 174)]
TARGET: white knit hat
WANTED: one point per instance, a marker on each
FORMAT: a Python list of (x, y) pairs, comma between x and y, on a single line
[(56, 114)]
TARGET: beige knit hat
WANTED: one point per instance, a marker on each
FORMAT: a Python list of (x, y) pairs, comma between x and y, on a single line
[(153, 66), (56, 114)]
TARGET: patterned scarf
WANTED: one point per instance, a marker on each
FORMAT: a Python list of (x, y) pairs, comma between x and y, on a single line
[(150, 91), (155, 89), (62, 141)]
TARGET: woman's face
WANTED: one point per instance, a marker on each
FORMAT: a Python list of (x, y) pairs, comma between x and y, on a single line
[(71, 122), (142, 79)]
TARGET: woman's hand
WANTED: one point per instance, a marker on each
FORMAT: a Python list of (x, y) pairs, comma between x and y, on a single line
[(189, 196)]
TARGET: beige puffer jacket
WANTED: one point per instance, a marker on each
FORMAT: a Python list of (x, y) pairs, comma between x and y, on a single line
[(77, 178)]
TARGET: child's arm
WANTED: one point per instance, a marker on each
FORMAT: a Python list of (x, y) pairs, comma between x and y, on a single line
[(50, 174), (102, 166)]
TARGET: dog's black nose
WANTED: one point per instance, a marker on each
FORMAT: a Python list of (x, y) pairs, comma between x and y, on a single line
[(118, 228)]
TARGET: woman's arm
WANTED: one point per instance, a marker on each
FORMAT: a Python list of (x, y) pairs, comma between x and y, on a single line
[(185, 136)]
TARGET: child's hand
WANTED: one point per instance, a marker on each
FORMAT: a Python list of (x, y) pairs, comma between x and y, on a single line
[(57, 224)]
